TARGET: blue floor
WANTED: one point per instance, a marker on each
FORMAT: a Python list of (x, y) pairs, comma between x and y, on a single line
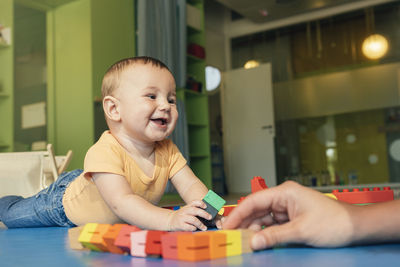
[(50, 247)]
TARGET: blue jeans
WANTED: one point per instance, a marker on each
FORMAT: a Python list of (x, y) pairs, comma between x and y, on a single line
[(43, 209)]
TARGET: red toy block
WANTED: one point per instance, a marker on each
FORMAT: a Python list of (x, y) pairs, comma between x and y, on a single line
[(153, 242), (365, 196), (123, 240), (240, 199), (169, 245), (217, 243), (110, 236), (192, 247), (228, 209), (257, 184)]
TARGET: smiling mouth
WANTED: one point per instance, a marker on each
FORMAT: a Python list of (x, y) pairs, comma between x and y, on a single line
[(160, 121)]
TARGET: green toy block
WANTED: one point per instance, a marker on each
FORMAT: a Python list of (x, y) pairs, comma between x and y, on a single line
[(214, 200)]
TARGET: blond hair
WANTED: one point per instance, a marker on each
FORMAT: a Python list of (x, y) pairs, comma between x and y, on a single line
[(111, 79)]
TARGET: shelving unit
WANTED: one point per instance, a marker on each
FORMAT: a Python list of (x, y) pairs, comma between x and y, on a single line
[(196, 103)]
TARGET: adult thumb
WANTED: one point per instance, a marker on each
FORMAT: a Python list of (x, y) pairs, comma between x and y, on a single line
[(274, 235)]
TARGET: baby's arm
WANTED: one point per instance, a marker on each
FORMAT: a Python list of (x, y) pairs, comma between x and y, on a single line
[(187, 184), (135, 210), (191, 189)]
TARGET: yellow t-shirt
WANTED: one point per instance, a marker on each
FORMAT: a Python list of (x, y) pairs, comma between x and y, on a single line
[(83, 202)]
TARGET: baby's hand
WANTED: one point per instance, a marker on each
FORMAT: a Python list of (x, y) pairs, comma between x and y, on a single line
[(185, 219)]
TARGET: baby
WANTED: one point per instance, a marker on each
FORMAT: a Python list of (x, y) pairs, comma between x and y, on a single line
[(126, 171)]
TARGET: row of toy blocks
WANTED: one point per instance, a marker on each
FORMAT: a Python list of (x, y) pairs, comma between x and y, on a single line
[(364, 196), (123, 238), (207, 245)]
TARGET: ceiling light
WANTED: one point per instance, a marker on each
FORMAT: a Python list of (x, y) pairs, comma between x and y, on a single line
[(375, 46), (251, 64)]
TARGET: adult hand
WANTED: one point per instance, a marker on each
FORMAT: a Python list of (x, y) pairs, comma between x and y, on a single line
[(292, 213)]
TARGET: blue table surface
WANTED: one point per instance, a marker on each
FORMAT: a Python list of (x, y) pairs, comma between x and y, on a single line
[(50, 247)]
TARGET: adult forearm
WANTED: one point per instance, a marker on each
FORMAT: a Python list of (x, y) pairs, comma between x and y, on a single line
[(377, 222)]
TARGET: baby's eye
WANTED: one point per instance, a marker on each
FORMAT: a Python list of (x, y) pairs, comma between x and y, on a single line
[(172, 101), (151, 96)]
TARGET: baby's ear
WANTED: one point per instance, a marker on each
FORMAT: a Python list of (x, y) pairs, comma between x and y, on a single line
[(111, 108)]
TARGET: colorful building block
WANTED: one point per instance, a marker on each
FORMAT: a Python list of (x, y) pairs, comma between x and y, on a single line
[(246, 236), (214, 204), (365, 196), (257, 184), (233, 242), (227, 209), (97, 237), (110, 236), (153, 242), (217, 243), (169, 245), (192, 247), (86, 236), (138, 243), (73, 236), (123, 240)]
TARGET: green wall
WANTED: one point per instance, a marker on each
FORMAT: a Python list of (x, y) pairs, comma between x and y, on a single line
[(84, 38), (6, 81)]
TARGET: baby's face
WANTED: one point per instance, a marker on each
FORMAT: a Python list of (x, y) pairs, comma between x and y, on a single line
[(147, 99)]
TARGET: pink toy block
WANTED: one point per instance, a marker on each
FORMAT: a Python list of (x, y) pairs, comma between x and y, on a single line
[(138, 243), (365, 196), (169, 245)]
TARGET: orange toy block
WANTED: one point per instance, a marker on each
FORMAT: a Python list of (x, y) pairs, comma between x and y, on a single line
[(169, 245), (110, 236), (246, 236), (153, 242), (97, 237), (240, 199), (365, 196), (123, 240), (138, 243), (192, 247), (217, 243), (257, 184)]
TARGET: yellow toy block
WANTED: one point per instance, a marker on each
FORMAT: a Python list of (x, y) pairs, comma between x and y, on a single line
[(330, 195), (233, 242), (87, 234)]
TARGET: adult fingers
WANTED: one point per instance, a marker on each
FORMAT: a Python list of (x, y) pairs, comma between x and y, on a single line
[(276, 234), (252, 207)]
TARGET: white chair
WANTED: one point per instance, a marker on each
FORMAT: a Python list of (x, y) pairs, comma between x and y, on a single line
[(26, 173)]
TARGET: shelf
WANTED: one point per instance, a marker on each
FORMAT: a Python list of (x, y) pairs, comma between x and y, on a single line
[(198, 155), (4, 145), (193, 59), (194, 93), (197, 124)]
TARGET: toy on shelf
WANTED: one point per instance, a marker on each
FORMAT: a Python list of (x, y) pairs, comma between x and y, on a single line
[(364, 196)]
